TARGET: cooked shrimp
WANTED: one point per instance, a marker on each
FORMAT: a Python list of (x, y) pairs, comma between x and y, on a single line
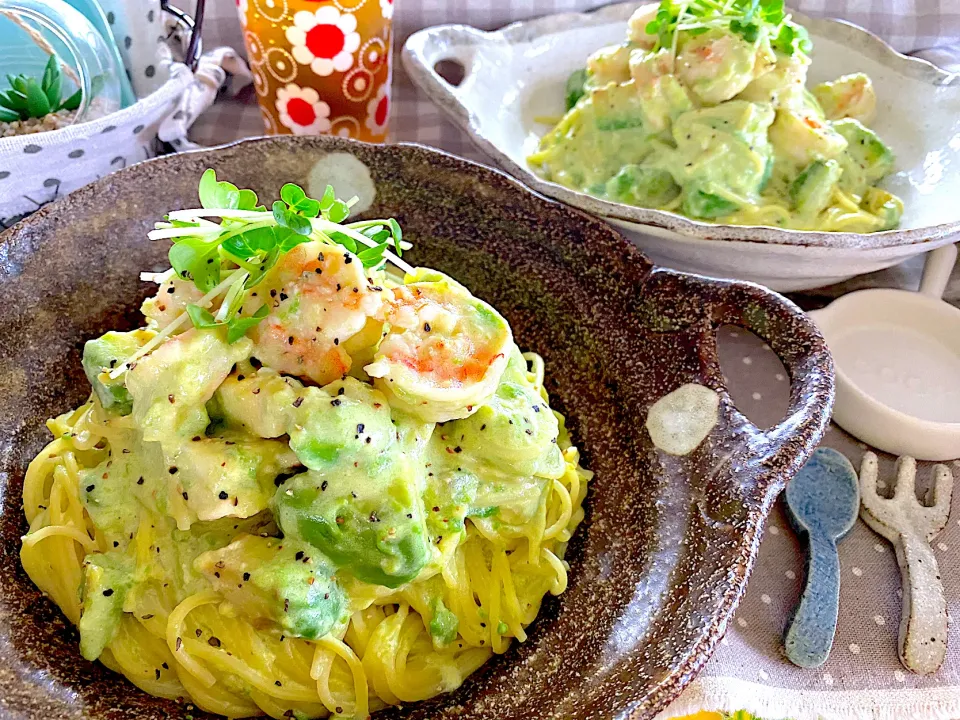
[(850, 96), (322, 309), (781, 85), (445, 352), (717, 65), (609, 64), (647, 67), (171, 301), (804, 135), (637, 26)]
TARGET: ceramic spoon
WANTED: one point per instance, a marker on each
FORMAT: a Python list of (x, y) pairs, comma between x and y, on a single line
[(823, 500), (910, 526)]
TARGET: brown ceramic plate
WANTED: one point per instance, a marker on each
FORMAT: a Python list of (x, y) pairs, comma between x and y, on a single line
[(663, 557)]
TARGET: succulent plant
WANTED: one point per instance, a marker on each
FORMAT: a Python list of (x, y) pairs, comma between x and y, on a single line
[(28, 98)]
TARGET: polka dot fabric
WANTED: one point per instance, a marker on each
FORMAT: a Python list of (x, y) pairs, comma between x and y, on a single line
[(320, 68), (863, 678), (37, 169), (138, 28)]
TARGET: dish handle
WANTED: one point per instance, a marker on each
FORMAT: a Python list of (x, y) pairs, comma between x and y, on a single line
[(426, 50), (752, 465), (797, 342)]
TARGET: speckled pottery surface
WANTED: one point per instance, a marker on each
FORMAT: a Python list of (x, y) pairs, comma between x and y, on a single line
[(515, 75), (662, 559)]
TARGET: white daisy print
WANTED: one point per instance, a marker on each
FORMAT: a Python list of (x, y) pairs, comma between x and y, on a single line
[(386, 8), (302, 110), (325, 40), (378, 110)]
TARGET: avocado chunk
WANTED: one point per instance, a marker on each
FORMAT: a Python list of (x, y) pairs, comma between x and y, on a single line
[(107, 577), (887, 207), (360, 501), (663, 101), (574, 87), (282, 580), (617, 107), (171, 386), (102, 355), (345, 423), (698, 203), (449, 495), (443, 624), (515, 431), (813, 188), (642, 186), (371, 527), (867, 159), (722, 153)]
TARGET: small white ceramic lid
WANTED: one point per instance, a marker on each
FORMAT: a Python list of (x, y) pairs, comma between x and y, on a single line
[(897, 355)]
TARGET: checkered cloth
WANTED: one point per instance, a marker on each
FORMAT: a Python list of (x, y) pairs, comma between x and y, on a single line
[(863, 679)]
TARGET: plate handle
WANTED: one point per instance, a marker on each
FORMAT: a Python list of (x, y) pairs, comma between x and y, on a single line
[(797, 341), (426, 49)]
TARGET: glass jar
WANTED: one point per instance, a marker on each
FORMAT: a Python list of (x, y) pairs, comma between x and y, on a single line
[(33, 30)]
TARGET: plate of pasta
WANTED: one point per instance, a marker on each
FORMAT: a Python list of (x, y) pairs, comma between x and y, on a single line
[(309, 428), (735, 139)]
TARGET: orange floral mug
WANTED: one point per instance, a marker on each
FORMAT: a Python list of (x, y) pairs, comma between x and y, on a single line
[(321, 66)]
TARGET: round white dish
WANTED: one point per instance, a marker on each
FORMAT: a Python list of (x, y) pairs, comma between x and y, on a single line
[(897, 356), (514, 75)]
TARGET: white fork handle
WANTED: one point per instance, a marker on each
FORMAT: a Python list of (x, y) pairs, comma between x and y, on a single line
[(923, 623)]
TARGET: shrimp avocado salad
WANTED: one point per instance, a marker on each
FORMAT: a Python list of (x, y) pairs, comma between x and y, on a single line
[(704, 110)]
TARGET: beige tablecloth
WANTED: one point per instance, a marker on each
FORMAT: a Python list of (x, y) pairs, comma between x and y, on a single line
[(863, 677)]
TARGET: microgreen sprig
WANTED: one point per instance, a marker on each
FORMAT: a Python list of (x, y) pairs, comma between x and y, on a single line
[(747, 18), (231, 257)]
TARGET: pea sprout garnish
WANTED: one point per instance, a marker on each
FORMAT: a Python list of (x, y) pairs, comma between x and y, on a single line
[(231, 257), (747, 18)]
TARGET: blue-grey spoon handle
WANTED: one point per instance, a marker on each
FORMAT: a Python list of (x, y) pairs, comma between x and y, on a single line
[(810, 636)]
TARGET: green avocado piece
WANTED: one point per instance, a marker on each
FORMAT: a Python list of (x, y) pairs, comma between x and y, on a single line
[(642, 186), (102, 355), (444, 624), (106, 579), (867, 159), (370, 527), (574, 88), (281, 579), (359, 503), (515, 430), (448, 496), (886, 206), (812, 189), (347, 422), (698, 203)]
